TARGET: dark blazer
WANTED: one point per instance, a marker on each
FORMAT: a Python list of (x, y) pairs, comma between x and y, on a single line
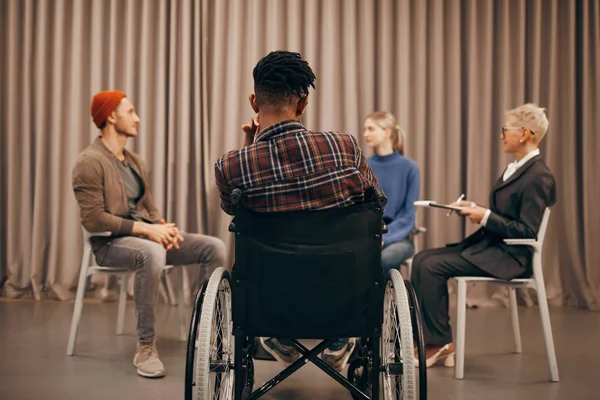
[(517, 207)]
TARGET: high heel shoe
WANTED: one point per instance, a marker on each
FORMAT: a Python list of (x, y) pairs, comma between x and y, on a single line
[(444, 353)]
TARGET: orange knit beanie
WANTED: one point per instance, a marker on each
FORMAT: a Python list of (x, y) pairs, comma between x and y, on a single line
[(103, 104)]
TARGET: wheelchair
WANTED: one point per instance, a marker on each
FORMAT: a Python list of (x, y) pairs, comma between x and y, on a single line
[(306, 275)]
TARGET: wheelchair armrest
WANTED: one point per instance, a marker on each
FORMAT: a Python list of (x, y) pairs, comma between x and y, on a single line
[(236, 197), (381, 198), (521, 242), (377, 195), (232, 225)]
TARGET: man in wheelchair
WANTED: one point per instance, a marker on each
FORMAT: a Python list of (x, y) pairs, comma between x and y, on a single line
[(284, 167), (308, 230)]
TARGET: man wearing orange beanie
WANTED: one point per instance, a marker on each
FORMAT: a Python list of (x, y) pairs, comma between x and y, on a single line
[(111, 187)]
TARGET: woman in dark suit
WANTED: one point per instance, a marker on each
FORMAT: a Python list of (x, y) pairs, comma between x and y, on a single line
[(517, 205)]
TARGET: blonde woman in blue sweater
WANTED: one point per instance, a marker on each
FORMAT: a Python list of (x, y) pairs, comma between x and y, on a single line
[(399, 178)]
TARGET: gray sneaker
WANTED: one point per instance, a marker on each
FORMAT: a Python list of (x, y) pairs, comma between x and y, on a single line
[(337, 359), (147, 362), (286, 355)]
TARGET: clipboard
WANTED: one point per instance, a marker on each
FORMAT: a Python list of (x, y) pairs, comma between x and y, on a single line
[(431, 203)]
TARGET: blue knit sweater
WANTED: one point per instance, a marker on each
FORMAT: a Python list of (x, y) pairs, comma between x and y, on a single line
[(400, 179)]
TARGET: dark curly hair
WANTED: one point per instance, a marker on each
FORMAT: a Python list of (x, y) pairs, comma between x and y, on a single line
[(281, 78)]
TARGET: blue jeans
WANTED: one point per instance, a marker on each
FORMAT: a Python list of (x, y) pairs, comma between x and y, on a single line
[(395, 254)]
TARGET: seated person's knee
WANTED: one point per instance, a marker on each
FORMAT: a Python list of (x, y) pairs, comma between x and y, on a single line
[(151, 254)]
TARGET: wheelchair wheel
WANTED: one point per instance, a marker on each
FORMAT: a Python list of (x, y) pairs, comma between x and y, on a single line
[(358, 375), (415, 313), (397, 354), (214, 345), (190, 359)]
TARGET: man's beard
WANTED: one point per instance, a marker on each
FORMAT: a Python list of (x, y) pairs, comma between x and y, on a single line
[(125, 133)]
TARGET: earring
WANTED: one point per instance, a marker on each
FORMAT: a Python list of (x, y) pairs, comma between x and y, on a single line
[(521, 141)]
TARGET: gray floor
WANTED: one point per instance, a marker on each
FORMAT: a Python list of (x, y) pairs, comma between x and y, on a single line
[(33, 364)]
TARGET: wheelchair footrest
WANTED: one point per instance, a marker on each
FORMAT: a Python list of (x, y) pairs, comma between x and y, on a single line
[(260, 353)]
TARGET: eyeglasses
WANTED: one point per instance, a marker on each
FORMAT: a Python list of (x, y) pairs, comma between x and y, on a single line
[(514, 128)]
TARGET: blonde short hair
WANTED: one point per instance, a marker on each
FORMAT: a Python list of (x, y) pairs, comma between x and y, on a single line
[(531, 116)]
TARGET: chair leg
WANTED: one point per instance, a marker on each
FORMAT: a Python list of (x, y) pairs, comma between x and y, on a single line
[(548, 339), (171, 293), (79, 299), (181, 309), (461, 308), (122, 303), (408, 268), (163, 291), (514, 314)]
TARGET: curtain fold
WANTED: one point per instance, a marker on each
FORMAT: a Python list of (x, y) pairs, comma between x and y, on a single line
[(448, 70)]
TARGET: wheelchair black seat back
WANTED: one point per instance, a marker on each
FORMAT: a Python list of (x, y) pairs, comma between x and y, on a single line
[(305, 275), (308, 274)]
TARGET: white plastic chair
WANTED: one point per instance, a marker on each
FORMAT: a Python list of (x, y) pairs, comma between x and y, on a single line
[(535, 282), (408, 262), (87, 269)]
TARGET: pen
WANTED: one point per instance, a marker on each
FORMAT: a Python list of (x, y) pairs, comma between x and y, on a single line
[(462, 196)]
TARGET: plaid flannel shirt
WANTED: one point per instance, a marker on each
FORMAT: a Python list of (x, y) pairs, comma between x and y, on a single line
[(289, 168)]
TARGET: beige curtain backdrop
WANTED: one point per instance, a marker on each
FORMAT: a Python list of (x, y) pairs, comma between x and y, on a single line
[(447, 69)]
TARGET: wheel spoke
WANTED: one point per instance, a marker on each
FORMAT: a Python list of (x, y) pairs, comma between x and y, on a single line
[(391, 349), (221, 381), (214, 343)]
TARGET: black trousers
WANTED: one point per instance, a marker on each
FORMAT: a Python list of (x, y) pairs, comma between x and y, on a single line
[(431, 270)]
